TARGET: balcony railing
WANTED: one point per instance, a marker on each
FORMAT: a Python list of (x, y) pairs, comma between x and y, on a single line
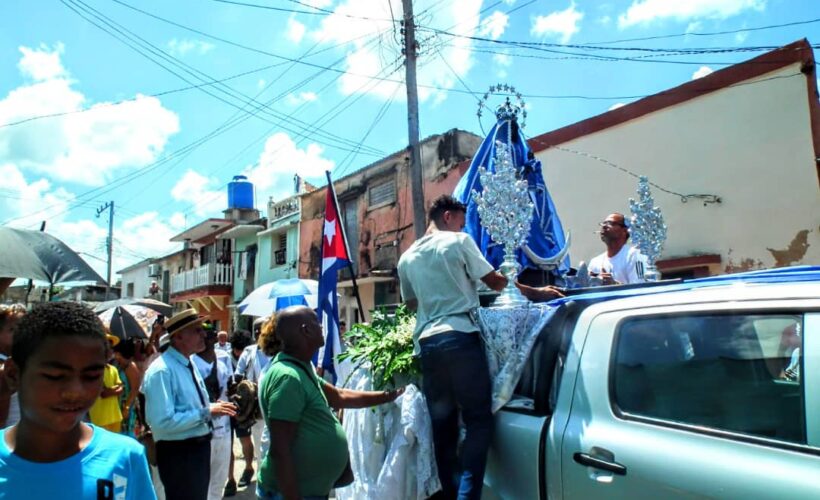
[(207, 275)]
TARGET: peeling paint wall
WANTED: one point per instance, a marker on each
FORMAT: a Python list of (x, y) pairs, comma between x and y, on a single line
[(384, 230)]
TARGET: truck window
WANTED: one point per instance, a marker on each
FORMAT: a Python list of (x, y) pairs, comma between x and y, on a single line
[(738, 373)]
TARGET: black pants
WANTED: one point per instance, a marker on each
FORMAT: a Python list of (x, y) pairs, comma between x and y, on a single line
[(185, 467)]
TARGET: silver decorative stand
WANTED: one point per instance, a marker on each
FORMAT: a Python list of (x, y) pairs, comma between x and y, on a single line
[(647, 229), (505, 210)]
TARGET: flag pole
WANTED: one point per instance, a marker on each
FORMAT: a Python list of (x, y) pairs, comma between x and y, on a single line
[(347, 247)]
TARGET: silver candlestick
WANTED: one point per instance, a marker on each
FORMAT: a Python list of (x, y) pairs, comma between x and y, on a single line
[(505, 210), (648, 230)]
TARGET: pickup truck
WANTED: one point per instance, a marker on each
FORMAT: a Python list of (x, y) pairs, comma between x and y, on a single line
[(701, 389)]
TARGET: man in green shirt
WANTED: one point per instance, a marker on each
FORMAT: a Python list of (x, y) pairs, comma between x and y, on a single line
[(308, 451)]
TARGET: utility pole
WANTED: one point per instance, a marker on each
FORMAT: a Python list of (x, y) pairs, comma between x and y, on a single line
[(109, 243), (416, 173)]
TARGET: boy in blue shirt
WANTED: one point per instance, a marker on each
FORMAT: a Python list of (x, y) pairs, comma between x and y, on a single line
[(56, 366)]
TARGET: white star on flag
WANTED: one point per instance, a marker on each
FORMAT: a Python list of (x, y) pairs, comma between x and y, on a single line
[(330, 230)]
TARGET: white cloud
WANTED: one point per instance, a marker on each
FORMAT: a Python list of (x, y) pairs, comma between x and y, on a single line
[(604, 20), (204, 194), (368, 58), (616, 106), (301, 97), (561, 24), (295, 30), (177, 220), (502, 60), (272, 175), (181, 48), (701, 72), (261, 83), (42, 64), (493, 26), (83, 147), (321, 4), (146, 234), (741, 37), (694, 26), (647, 11)]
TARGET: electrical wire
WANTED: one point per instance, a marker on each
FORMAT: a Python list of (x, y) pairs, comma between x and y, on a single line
[(131, 39)]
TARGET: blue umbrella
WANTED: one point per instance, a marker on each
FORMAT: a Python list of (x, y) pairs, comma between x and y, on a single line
[(546, 239), (271, 297)]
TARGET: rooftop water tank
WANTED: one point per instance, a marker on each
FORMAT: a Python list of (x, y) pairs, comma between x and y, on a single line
[(240, 193)]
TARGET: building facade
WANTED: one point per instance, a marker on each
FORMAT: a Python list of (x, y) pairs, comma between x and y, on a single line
[(204, 281), (736, 153), (377, 212)]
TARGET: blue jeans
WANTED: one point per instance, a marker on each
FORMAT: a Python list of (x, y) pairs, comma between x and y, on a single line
[(454, 367), (267, 495)]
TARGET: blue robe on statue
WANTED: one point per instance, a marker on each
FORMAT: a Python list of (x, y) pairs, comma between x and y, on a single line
[(546, 237)]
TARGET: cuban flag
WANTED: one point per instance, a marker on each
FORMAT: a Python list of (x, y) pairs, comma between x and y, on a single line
[(334, 257)]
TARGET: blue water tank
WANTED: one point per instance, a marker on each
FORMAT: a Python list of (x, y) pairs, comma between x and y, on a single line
[(240, 192)]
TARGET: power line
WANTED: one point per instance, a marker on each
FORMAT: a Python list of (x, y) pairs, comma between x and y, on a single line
[(103, 105), (713, 33), (282, 94), (131, 39), (348, 160), (184, 151), (317, 12)]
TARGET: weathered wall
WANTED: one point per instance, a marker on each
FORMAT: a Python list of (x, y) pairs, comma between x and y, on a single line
[(751, 143), (385, 230)]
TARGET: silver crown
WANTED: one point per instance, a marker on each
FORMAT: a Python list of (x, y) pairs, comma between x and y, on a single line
[(509, 110)]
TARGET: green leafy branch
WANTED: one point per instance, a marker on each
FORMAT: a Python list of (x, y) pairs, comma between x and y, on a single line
[(386, 344)]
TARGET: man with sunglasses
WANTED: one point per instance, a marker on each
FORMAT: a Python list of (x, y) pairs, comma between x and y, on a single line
[(178, 410), (620, 263)]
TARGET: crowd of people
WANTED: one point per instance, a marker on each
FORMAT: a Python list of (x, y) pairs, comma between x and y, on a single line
[(104, 417)]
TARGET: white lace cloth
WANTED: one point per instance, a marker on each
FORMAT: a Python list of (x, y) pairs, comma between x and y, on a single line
[(391, 447), (509, 334)]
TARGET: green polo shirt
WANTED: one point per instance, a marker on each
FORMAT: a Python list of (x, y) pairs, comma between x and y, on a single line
[(320, 449)]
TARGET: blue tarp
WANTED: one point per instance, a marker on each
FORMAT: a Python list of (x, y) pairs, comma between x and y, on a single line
[(546, 237)]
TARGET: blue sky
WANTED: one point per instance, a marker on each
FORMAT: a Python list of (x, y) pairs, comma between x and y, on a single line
[(163, 146)]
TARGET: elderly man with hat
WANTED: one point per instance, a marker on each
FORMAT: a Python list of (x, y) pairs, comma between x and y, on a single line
[(178, 410)]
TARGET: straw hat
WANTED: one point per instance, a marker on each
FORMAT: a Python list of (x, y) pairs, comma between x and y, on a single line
[(182, 319)]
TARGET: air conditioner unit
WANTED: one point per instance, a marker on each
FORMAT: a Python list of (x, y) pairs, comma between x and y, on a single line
[(154, 270)]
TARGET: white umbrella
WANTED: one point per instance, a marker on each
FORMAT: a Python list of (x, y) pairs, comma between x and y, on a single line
[(279, 294)]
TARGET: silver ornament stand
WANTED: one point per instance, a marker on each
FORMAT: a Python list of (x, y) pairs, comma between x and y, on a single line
[(505, 210), (647, 228)]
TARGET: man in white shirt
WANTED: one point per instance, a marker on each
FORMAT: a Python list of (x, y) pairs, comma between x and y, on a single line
[(620, 263), (222, 343), (439, 276), (215, 369)]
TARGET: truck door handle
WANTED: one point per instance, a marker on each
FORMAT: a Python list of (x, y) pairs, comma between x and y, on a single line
[(590, 461)]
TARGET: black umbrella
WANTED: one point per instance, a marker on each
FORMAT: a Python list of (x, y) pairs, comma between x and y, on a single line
[(40, 256), (160, 307), (123, 324)]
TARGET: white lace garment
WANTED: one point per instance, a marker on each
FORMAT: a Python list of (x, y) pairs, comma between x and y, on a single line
[(391, 447)]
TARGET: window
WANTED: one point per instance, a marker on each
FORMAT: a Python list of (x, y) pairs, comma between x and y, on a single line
[(280, 249), (382, 194), (737, 373), (350, 214)]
